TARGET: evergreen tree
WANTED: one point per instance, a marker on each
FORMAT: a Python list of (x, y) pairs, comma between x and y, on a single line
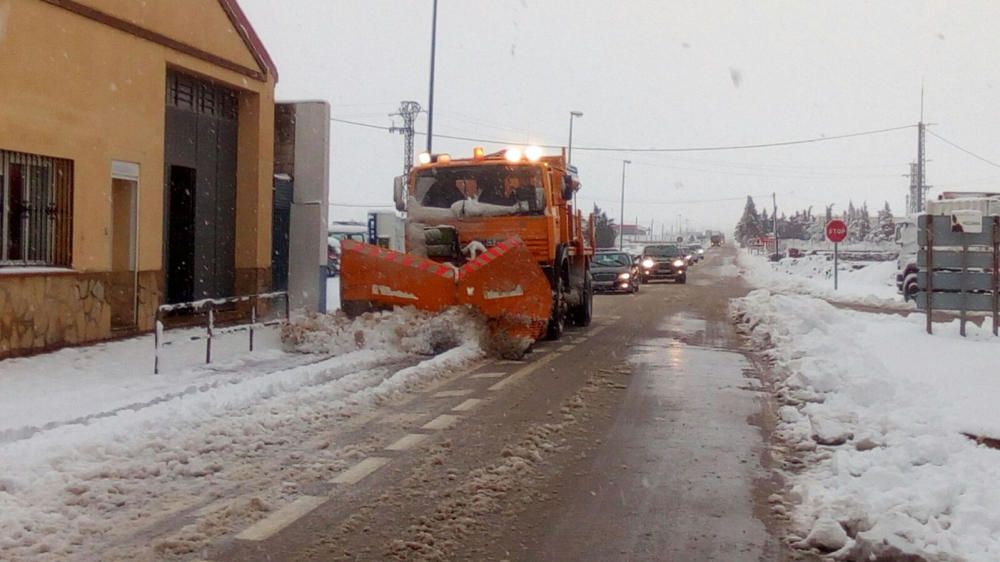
[(604, 229), (863, 226), (886, 225), (749, 225)]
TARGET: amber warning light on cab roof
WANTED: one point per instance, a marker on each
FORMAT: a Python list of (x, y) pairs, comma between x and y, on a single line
[(511, 154)]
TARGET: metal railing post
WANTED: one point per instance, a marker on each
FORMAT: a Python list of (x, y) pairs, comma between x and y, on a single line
[(253, 319), (157, 330), (208, 340)]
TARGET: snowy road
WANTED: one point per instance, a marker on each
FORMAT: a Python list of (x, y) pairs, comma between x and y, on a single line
[(642, 437)]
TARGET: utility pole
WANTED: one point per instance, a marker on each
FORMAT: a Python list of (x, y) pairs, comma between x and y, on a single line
[(774, 201), (430, 100), (913, 196), (621, 225), (921, 180), (408, 111)]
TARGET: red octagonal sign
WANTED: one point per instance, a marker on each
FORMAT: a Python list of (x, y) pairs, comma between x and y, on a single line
[(836, 231)]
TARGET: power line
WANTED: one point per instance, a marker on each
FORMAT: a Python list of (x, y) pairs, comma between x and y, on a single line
[(969, 152), (648, 149)]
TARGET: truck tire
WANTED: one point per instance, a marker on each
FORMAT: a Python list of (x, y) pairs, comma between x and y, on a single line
[(910, 288), (557, 321), (682, 279), (583, 313)]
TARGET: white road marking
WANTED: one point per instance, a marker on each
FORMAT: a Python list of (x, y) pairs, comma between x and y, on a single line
[(359, 471), (407, 442), (453, 393), (524, 371), (511, 362), (282, 518), (567, 347), (444, 421), (492, 375), (467, 405)]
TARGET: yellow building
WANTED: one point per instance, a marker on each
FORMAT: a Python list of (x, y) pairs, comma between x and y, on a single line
[(136, 163)]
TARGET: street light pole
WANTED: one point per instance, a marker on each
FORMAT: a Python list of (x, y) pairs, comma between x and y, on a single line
[(430, 101), (569, 155), (572, 114), (621, 223)]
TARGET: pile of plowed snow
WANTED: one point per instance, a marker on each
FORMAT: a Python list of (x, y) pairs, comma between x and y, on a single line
[(873, 427), (404, 329)]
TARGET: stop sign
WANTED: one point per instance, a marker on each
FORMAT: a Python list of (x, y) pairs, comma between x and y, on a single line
[(836, 231)]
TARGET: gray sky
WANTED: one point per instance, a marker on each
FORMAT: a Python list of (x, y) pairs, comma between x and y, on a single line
[(657, 74)]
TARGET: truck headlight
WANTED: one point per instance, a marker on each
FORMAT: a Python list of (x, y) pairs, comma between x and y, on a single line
[(701, 250), (624, 276), (648, 263), (678, 263)]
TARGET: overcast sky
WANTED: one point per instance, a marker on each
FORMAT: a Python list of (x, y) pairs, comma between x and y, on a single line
[(657, 73)]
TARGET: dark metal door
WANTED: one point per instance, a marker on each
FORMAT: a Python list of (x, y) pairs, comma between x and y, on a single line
[(201, 136), (280, 224)]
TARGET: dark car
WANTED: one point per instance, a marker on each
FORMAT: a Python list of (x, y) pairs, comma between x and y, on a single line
[(664, 261), (692, 255), (614, 272)]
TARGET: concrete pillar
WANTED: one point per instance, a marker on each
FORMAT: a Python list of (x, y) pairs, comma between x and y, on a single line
[(310, 171)]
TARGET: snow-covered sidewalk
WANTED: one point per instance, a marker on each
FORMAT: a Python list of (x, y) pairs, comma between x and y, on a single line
[(93, 446), (873, 418)]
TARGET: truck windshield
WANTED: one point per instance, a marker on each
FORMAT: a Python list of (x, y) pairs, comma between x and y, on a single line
[(662, 251), (482, 190)]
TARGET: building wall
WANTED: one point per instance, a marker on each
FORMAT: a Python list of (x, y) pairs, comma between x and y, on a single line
[(92, 94)]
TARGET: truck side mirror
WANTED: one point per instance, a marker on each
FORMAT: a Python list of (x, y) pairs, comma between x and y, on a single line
[(399, 192)]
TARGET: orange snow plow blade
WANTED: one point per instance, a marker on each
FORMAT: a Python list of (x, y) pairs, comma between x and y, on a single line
[(505, 284), (373, 277)]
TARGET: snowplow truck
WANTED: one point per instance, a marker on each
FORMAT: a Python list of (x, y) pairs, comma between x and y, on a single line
[(497, 232)]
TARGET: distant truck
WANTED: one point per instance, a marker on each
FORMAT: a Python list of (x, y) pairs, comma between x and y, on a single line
[(948, 203), (717, 239)]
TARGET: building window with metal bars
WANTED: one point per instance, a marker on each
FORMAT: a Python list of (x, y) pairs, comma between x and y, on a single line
[(36, 210), (201, 96)]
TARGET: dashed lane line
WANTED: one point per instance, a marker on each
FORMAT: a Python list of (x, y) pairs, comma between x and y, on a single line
[(282, 518), (568, 347), (444, 421), (525, 371), (407, 442), (467, 405), (359, 471), (453, 393), (493, 375)]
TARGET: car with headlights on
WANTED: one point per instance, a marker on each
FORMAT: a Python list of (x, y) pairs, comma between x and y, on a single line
[(663, 261), (614, 272)]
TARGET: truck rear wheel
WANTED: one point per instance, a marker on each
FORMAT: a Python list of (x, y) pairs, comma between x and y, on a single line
[(583, 312)]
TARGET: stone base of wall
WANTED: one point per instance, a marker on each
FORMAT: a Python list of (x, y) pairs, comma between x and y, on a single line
[(43, 311)]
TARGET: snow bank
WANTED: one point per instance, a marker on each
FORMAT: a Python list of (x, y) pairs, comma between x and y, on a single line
[(404, 329), (876, 411), (71, 488), (867, 284)]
